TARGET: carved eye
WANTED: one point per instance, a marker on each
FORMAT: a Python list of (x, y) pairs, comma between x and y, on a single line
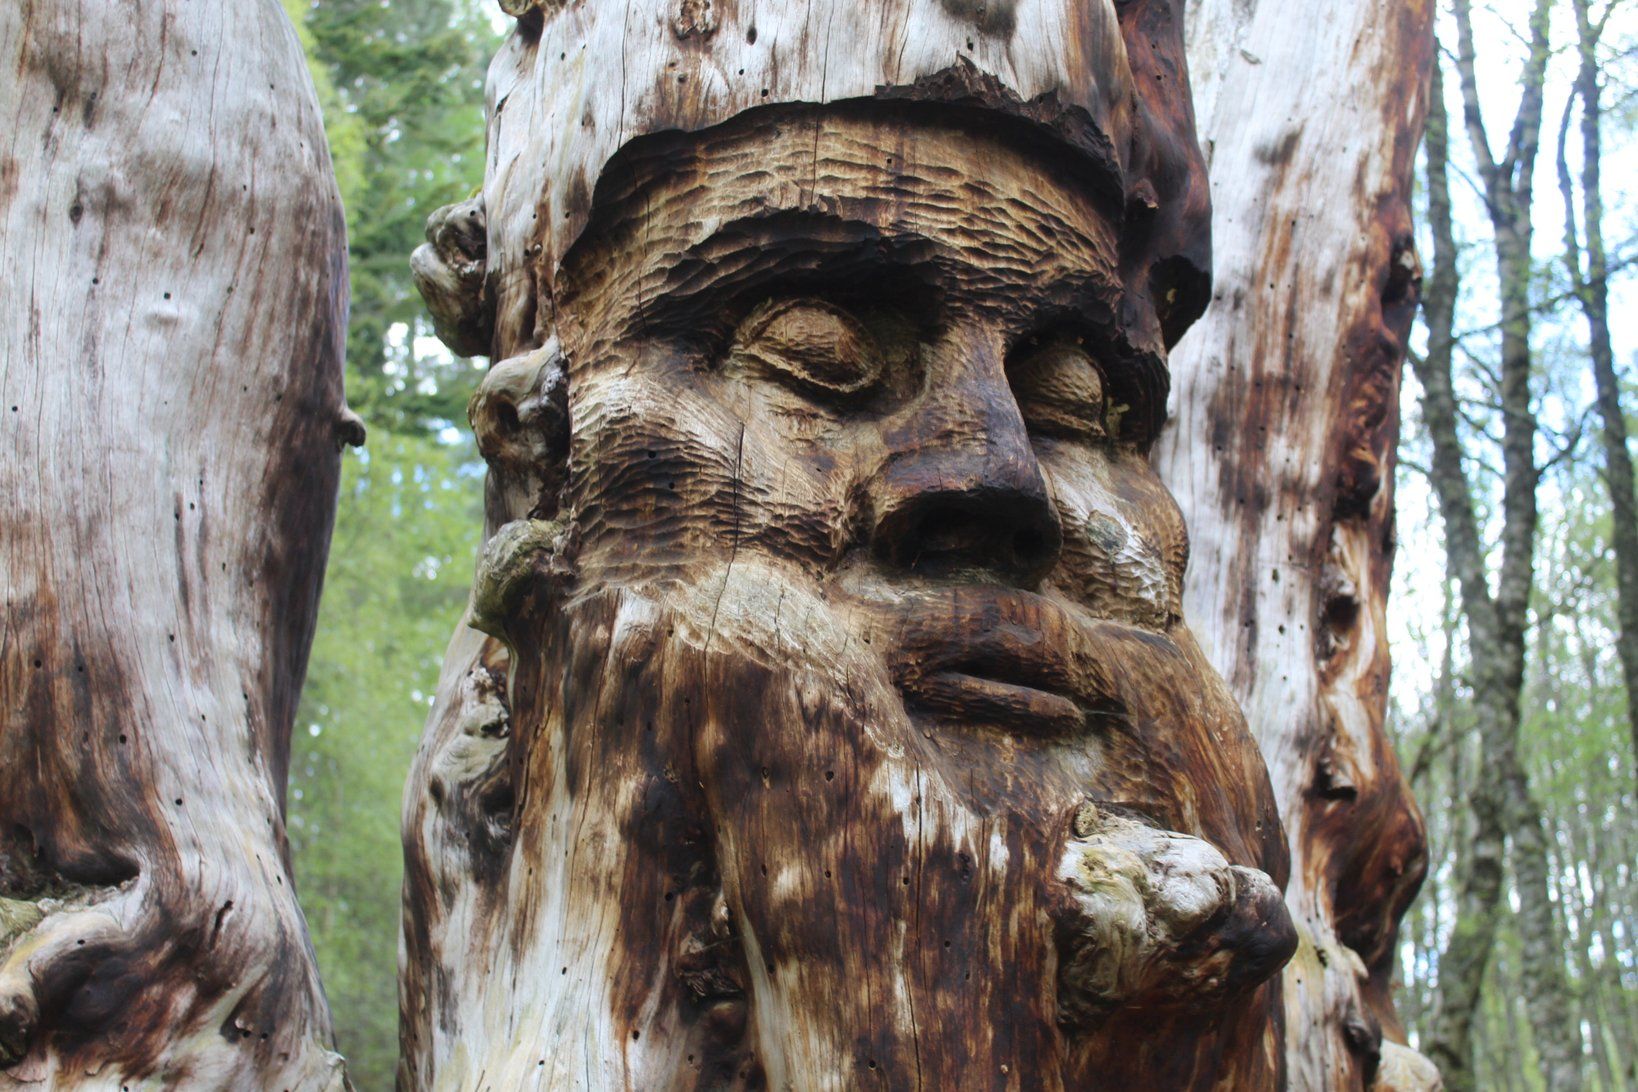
[(813, 344), (1060, 391)]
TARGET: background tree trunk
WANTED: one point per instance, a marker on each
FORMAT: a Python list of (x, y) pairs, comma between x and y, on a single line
[(1589, 277), (1462, 963), (171, 412), (1281, 451)]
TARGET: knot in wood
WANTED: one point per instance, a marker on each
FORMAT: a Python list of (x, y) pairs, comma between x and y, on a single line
[(512, 558), (695, 18), (1160, 919), (451, 272)]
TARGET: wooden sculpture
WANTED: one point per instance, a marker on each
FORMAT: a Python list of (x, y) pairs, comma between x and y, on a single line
[(827, 717)]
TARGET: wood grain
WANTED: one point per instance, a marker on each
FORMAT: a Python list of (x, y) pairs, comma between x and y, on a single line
[(170, 419)]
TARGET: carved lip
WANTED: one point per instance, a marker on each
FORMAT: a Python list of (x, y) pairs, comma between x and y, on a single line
[(979, 698), (982, 654)]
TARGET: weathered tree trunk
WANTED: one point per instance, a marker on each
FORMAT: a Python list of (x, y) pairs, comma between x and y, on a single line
[(170, 411), (833, 722), (1281, 453)]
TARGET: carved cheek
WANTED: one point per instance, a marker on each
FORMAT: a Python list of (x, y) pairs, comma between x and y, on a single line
[(796, 464), (1124, 546), (652, 460), (793, 487), (1143, 500), (692, 462)]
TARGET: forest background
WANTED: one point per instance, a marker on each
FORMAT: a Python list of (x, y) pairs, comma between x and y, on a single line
[(401, 85)]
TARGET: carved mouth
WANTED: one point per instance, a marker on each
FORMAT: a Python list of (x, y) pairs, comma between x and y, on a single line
[(993, 656)]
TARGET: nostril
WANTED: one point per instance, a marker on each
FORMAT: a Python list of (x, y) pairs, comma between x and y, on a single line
[(945, 532), (1029, 546), (1009, 536)]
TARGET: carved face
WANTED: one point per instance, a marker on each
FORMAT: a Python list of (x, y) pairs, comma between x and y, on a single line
[(873, 660)]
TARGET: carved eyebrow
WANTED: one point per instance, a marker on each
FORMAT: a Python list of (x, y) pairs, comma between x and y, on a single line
[(797, 246), (787, 246), (741, 259)]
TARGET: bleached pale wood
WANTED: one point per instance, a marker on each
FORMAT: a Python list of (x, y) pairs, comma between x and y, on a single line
[(1281, 452), (709, 797), (170, 418)]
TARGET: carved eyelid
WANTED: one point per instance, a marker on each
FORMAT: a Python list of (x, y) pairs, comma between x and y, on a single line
[(1061, 388), (815, 343)]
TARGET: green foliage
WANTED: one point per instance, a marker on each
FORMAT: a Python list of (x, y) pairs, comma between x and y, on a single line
[(409, 76), (400, 85), (1580, 763), (1574, 744), (1573, 737), (400, 567), (343, 130)]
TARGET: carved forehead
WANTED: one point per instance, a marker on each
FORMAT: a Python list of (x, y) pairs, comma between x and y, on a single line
[(578, 81), (687, 221)]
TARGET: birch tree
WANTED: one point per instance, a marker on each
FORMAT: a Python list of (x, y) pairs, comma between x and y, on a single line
[(1505, 814), (1589, 268)]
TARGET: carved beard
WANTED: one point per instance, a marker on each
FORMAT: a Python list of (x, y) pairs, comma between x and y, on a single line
[(757, 866)]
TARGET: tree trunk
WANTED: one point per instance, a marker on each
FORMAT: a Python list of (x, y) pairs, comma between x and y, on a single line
[(1281, 452), (1481, 856), (833, 722), (1591, 281), (170, 361)]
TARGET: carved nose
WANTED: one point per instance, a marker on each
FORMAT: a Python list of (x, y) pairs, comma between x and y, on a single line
[(964, 492), (1008, 532)]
